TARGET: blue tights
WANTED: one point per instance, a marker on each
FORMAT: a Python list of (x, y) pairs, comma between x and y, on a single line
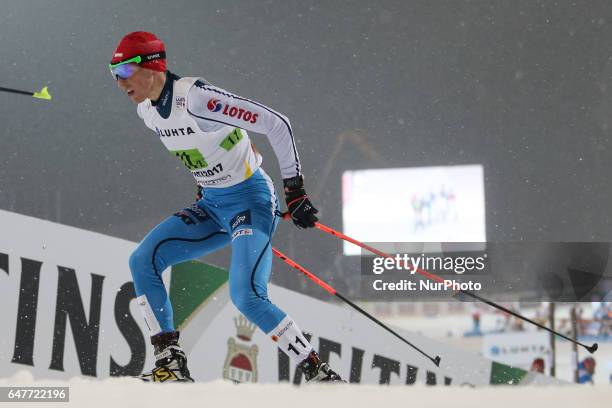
[(243, 216)]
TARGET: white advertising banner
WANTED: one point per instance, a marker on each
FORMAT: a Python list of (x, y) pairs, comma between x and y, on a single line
[(518, 349), (66, 298), (69, 310), (220, 342)]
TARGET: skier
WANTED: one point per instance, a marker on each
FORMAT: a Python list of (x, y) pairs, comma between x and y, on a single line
[(206, 128), (586, 370)]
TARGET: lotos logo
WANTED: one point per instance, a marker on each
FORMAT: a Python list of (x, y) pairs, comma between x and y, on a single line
[(214, 105)]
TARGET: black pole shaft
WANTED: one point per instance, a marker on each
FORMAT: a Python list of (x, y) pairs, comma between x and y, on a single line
[(334, 292), (17, 91), (591, 349), (435, 360)]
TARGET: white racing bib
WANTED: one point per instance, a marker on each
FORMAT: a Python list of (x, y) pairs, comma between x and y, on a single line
[(219, 158)]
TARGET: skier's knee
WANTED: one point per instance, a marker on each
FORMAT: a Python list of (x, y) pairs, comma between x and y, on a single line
[(247, 303), (140, 263), (239, 299)]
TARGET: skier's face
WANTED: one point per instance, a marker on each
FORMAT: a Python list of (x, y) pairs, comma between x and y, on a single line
[(138, 86)]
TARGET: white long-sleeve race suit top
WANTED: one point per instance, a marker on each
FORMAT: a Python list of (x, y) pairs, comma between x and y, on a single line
[(206, 128)]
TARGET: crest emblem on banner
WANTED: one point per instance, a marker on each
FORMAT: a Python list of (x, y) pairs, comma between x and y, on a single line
[(241, 359)]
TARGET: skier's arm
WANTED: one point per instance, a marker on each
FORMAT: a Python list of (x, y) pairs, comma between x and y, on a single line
[(210, 103)]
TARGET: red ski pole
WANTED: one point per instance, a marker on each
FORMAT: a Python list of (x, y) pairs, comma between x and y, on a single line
[(591, 349), (314, 278)]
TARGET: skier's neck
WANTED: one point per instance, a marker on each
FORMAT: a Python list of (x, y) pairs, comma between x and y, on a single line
[(159, 80)]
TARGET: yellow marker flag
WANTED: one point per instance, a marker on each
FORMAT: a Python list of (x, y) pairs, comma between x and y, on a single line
[(42, 94)]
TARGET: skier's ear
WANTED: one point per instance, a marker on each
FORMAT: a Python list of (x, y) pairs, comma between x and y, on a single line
[(147, 73)]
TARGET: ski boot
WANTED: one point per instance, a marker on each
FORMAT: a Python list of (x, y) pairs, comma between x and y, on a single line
[(317, 371), (171, 362)]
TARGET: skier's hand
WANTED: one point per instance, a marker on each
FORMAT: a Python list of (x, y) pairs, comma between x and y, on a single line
[(300, 208), (199, 194)]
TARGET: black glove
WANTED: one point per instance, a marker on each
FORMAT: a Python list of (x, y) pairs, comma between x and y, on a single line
[(300, 208), (199, 192)]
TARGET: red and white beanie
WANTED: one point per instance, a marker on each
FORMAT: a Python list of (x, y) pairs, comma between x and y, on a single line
[(140, 43)]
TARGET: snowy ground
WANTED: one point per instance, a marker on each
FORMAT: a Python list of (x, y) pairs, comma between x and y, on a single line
[(129, 393)]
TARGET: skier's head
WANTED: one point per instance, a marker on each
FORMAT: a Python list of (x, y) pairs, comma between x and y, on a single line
[(589, 365), (139, 65), (538, 365)]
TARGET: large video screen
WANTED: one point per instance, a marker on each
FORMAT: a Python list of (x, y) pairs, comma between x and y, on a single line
[(418, 204)]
